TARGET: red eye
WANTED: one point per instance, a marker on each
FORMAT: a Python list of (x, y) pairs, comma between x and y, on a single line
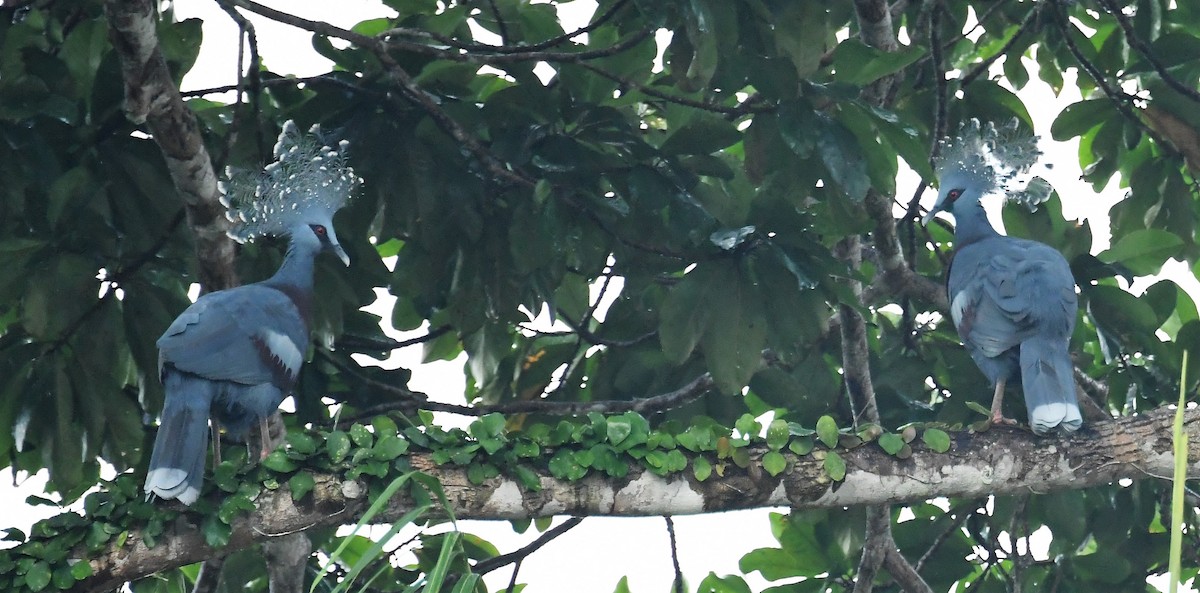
[(319, 230), (953, 195)]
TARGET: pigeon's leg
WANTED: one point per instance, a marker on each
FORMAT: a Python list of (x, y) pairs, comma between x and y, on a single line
[(265, 438), (997, 403), (216, 440)]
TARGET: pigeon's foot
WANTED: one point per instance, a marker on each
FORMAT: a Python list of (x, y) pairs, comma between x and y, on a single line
[(1000, 420)]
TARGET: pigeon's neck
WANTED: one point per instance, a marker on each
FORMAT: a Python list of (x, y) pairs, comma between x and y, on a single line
[(971, 225), (295, 277)]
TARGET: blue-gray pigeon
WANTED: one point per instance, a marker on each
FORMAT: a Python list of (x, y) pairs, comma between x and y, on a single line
[(1012, 300), (234, 355)]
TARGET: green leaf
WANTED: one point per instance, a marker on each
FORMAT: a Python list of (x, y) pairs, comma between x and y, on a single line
[(827, 431), (216, 533), (1077, 118), (685, 314), (301, 443), (734, 340), (1121, 313), (777, 434), (840, 152), (622, 585), (1143, 251), (891, 442), (301, 484), (564, 466), (936, 439), (337, 445), (278, 461), (774, 463), (801, 445), (702, 133), (361, 436), (38, 576), (835, 466), (856, 63), (701, 468), (528, 478), (81, 570), (978, 407), (618, 428)]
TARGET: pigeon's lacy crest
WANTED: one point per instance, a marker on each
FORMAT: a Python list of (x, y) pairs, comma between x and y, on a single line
[(308, 176), (1000, 160)]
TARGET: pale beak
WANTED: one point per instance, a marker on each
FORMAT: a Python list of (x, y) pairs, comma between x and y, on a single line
[(929, 217), (341, 253)]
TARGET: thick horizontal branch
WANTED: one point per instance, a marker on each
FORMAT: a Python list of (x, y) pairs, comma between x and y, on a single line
[(1000, 461)]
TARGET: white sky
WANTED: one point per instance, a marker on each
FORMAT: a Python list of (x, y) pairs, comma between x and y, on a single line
[(594, 556)]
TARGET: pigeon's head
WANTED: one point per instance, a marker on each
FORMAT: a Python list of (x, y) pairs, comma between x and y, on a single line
[(317, 234), (958, 191), (296, 195), (982, 160)]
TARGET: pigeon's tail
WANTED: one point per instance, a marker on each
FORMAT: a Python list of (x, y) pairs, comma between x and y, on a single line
[(181, 447), (1049, 385)]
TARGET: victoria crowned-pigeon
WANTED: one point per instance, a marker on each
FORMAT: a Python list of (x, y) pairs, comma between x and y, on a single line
[(234, 355), (1012, 300)]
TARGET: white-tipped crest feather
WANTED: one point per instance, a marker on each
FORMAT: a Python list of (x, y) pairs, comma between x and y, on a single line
[(1001, 160), (308, 178)]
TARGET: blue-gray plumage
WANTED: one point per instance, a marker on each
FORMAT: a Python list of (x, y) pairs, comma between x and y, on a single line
[(1012, 300), (234, 355)]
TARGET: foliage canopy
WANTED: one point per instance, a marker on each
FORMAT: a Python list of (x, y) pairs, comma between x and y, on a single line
[(737, 202)]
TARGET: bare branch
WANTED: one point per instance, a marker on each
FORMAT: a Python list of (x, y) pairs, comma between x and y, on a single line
[(511, 48), (983, 66), (875, 548), (485, 566), (665, 401), (353, 342), (505, 38), (496, 59), (678, 582)]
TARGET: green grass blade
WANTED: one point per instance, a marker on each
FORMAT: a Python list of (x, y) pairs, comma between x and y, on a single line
[(376, 548), (372, 511), (433, 584), (1180, 440)]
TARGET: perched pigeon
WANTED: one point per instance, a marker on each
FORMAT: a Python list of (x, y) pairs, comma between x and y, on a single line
[(234, 355), (1012, 300)]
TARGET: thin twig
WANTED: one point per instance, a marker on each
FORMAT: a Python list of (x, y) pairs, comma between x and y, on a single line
[(497, 59), (118, 278), (1122, 101), (353, 342), (1141, 47), (505, 38), (678, 582), (983, 66), (595, 340), (942, 537), (665, 401), (512, 48), (407, 86), (485, 566)]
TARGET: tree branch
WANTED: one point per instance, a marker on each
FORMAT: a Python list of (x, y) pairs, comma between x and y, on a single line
[(151, 97), (1000, 461), (665, 401), (485, 566), (1138, 44), (511, 48), (677, 584)]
